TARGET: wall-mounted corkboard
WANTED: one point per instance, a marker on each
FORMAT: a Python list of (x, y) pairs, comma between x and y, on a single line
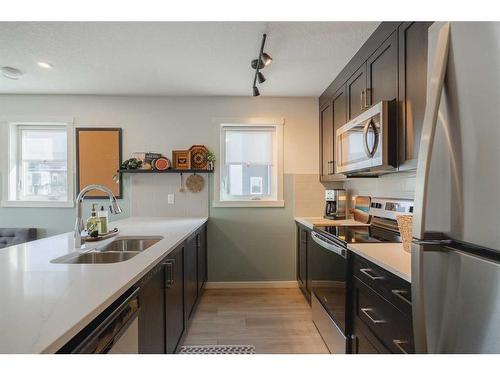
[(98, 157)]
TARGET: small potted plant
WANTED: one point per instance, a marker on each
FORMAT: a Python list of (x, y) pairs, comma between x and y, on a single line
[(210, 156)]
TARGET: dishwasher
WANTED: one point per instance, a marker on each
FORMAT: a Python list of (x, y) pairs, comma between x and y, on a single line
[(114, 331)]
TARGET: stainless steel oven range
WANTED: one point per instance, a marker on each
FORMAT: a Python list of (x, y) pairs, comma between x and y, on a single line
[(329, 266)]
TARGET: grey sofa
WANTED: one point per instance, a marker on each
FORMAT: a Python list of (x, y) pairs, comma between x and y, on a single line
[(14, 236)]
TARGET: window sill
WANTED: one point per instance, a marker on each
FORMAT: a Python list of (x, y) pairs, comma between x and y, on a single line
[(38, 204), (256, 203)]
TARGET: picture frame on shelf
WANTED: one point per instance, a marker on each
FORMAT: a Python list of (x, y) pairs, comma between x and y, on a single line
[(181, 159)]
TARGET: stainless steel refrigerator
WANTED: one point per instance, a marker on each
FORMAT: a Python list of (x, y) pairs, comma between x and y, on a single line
[(456, 229)]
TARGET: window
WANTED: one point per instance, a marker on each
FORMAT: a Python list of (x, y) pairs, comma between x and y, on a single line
[(39, 170), (251, 165)]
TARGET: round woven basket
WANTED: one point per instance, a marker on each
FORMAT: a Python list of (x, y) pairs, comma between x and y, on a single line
[(405, 228)]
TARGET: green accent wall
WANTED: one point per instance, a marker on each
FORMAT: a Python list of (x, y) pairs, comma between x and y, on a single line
[(253, 244)]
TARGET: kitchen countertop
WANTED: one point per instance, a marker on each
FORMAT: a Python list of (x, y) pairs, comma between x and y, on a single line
[(309, 222), (43, 305), (389, 256)]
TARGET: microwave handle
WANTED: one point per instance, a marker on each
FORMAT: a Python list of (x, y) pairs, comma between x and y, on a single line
[(369, 124)]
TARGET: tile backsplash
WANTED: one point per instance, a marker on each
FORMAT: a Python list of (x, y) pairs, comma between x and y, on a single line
[(397, 185)]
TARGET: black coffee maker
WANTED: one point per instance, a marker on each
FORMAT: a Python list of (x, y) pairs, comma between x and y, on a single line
[(335, 206)]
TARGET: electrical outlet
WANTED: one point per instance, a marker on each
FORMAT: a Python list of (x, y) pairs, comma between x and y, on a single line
[(170, 199)]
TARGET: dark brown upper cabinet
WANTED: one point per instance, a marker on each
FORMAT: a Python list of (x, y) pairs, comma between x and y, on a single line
[(326, 141), (412, 90), (382, 73), (339, 114), (332, 116), (391, 65), (356, 91)]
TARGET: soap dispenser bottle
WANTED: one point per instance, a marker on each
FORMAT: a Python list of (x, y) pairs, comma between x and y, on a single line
[(103, 220), (93, 221)]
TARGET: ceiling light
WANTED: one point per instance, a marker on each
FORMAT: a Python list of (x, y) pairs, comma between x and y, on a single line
[(266, 59), (260, 63), (44, 65), (11, 73)]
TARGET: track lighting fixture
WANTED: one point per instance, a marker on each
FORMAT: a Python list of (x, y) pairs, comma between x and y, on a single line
[(260, 63), (261, 78)]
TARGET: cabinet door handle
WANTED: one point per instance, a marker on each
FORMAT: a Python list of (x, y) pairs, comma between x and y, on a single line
[(329, 163), (362, 99), (400, 294), (398, 344), (169, 266), (368, 99), (368, 271), (366, 311)]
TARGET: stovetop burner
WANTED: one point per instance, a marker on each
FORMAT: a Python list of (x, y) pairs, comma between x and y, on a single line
[(358, 234)]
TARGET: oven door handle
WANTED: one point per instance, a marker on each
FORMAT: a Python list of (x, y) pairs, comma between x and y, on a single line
[(328, 246)]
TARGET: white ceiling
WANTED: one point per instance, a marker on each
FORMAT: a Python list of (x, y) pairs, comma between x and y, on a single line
[(176, 58)]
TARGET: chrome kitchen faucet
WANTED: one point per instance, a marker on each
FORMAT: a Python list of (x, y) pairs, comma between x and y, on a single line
[(79, 226)]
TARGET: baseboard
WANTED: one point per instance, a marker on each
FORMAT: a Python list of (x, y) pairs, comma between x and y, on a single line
[(250, 284)]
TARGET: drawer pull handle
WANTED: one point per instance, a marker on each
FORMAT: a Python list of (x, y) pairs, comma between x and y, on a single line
[(169, 265), (400, 294), (399, 344), (368, 272), (366, 310)]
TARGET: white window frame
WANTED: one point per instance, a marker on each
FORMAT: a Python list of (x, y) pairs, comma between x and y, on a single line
[(278, 151), (10, 143)]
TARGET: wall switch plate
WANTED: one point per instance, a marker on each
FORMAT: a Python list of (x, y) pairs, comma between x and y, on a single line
[(170, 199)]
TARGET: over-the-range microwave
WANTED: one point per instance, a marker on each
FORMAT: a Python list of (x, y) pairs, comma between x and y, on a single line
[(367, 145)]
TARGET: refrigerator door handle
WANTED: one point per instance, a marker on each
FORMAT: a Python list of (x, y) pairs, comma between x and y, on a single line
[(434, 92)]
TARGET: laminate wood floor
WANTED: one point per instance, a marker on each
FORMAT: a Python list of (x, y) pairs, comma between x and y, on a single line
[(273, 320)]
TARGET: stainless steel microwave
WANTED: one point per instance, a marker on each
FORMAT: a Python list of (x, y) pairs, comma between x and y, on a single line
[(368, 143)]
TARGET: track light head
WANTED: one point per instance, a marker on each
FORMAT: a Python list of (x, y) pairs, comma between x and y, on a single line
[(260, 77), (256, 91), (266, 59), (254, 64)]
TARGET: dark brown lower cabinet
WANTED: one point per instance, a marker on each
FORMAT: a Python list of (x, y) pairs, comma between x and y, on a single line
[(303, 274), (151, 313), (377, 322), (168, 295), (202, 258), (364, 342), (190, 276), (174, 299)]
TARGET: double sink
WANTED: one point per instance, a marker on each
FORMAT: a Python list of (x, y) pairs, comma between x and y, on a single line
[(119, 250)]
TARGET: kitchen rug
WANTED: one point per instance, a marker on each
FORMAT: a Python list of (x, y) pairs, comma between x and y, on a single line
[(217, 349)]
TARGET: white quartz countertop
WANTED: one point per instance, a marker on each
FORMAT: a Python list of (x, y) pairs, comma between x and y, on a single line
[(309, 222), (43, 305), (389, 256)]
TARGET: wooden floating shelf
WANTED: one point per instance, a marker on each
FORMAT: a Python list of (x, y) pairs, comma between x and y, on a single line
[(153, 171)]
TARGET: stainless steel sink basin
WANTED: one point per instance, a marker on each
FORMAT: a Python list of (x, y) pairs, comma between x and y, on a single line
[(119, 250), (130, 243), (97, 257)]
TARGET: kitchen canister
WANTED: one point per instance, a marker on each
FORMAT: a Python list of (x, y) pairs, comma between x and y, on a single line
[(405, 223)]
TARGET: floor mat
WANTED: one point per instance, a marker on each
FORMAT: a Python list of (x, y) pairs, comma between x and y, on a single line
[(217, 349)]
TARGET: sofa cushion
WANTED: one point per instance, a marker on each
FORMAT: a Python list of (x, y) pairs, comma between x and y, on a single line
[(14, 236)]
